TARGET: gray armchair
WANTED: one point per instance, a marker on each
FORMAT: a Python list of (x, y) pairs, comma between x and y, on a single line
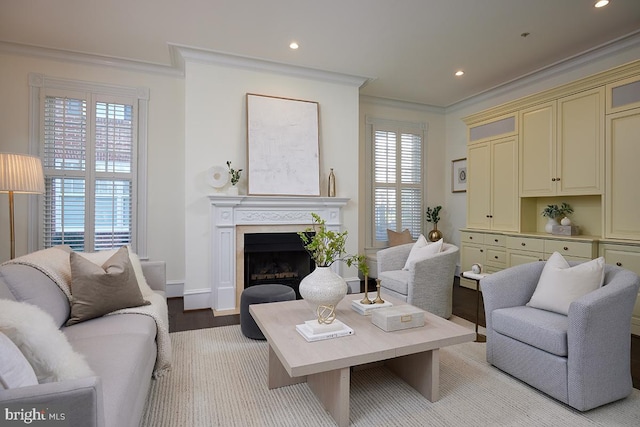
[(582, 359), (428, 284)]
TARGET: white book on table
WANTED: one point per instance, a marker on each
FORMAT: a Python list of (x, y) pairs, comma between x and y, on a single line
[(367, 309), (337, 330)]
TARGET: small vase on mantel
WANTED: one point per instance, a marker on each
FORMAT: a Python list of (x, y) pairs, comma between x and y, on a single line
[(232, 191), (323, 288), (435, 234)]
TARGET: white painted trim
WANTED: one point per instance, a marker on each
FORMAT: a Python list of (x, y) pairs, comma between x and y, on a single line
[(404, 105), (175, 288), (197, 299), (180, 53), (89, 59)]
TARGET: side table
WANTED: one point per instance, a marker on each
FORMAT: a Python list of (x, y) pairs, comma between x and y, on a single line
[(477, 277)]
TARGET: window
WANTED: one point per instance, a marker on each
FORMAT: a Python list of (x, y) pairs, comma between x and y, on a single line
[(396, 178), (88, 142)]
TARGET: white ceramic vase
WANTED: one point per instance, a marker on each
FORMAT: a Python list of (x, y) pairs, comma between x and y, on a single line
[(232, 191), (323, 287), (550, 223)]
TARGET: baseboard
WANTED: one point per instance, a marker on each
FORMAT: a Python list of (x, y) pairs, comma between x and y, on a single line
[(175, 289), (197, 299)]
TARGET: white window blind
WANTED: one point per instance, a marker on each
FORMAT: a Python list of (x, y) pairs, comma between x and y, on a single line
[(89, 153), (397, 179)]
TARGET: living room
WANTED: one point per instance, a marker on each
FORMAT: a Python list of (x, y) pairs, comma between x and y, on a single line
[(196, 105)]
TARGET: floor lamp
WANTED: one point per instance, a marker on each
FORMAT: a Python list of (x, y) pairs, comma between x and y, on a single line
[(19, 173)]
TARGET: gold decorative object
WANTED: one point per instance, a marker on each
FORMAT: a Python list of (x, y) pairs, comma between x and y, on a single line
[(366, 299), (378, 300), (326, 314)]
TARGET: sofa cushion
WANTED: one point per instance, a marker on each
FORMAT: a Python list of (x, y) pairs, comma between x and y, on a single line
[(396, 280), (559, 284), (15, 370), (30, 285), (98, 290), (34, 332), (539, 328)]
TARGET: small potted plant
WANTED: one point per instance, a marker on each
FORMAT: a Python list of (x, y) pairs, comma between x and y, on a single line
[(323, 288), (433, 215), (553, 213), (235, 178)]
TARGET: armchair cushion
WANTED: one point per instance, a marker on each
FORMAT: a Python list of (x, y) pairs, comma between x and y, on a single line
[(396, 238), (397, 281), (539, 328), (559, 284), (422, 250)]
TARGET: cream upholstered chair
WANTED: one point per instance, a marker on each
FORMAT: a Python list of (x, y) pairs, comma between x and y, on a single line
[(582, 358), (426, 284)]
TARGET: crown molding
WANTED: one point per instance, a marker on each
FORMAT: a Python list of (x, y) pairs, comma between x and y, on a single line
[(404, 105), (180, 54), (88, 59), (631, 40)]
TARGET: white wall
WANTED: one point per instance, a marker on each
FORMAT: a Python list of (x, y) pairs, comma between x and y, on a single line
[(215, 131), (165, 149)]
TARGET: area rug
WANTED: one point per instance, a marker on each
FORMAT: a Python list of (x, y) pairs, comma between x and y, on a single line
[(219, 378)]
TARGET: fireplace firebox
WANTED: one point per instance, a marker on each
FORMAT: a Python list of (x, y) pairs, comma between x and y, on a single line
[(275, 258)]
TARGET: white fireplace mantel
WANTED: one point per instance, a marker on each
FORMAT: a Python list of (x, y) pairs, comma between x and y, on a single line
[(264, 213)]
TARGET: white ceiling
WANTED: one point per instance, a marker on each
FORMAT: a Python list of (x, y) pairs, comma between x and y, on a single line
[(410, 48)]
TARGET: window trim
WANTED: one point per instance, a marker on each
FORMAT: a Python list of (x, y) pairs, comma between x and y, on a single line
[(370, 124), (37, 84)]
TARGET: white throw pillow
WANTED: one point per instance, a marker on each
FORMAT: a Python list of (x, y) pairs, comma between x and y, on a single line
[(422, 249), (46, 348), (15, 370), (559, 284)]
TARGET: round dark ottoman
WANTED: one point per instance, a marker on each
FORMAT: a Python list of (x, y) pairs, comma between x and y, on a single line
[(259, 294)]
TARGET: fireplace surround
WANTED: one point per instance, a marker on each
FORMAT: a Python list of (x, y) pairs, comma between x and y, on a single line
[(234, 216)]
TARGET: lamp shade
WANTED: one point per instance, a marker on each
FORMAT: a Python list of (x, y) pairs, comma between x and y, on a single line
[(21, 173)]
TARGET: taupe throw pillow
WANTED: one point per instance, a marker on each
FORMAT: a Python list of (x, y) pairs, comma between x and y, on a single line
[(97, 290), (396, 238)]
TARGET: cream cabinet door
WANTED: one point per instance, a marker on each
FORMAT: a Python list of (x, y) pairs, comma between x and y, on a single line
[(622, 199), (626, 257), (479, 186), (537, 150), (505, 204), (580, 143)]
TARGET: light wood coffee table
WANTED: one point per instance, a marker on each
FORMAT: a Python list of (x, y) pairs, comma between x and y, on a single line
[(412, 354)]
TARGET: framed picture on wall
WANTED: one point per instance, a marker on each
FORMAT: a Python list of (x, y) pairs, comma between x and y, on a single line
[(283, 146), (459, 175)]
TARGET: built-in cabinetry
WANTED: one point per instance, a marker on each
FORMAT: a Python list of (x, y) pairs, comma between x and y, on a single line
[(577, 143), (562, 146), (627, 256)]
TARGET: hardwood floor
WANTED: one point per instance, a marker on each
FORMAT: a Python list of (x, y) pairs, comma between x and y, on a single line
[(464, 305)]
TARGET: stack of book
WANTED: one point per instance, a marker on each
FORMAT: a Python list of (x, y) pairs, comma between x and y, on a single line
[(311, 330), (366, 309)]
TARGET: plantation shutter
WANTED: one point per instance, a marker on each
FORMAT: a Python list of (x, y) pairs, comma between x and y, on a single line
[(397, 181), (89, 152)]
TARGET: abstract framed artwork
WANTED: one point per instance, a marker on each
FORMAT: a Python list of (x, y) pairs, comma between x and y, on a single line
[(282, 146), (459, 175)]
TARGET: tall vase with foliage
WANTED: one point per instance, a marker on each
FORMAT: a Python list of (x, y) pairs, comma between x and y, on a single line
[(554, 213), (323, 289), (235, 178), (433, 215)]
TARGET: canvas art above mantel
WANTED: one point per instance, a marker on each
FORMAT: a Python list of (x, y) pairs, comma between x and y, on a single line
[(282, 146)]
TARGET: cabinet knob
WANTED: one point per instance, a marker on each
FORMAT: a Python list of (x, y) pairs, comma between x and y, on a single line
[(496, 256), (565, 248), (619, 264), (481, 250), (470, 237), (523, 244), (553, 179), (557, 179)]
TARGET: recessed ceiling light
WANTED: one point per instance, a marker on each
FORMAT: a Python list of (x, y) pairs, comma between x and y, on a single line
[(294, 45), (459, 73), (601, 3)]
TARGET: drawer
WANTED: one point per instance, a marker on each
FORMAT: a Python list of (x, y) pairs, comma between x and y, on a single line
[(495, 240), (496, 258), (576, 249), (471, 237), (525, 244)]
